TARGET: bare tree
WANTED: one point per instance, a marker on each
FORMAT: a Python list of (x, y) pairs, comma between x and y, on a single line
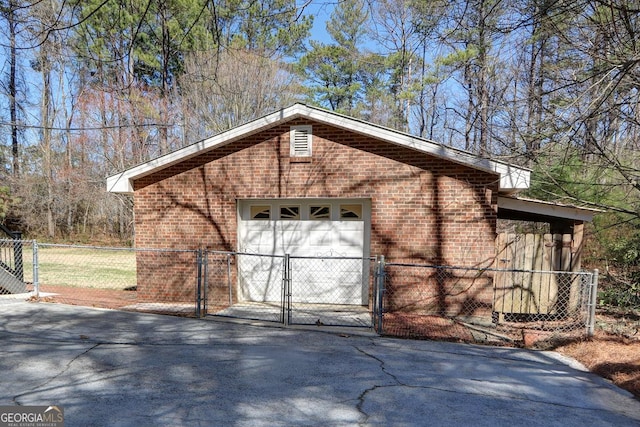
[(220, 91), (396, 29), (9, 11)]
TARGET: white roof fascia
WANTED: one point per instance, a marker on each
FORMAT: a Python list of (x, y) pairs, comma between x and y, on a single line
[(512, 178), (539, 207), (123, 181)]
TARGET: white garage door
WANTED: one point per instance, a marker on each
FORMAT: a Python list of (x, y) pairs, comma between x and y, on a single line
[(316, 230)]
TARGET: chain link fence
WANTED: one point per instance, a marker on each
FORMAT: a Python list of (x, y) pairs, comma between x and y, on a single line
[(397, 299), (472, 304), (149, 280)]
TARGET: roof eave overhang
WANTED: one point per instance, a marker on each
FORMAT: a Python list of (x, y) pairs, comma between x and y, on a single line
[(511, 178), (546, 209), (123, 181)]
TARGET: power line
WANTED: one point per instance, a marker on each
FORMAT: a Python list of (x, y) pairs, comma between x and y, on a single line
[(87, 128)]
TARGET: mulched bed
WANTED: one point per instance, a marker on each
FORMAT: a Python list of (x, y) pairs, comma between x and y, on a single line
[(88, 297), (111, 299), (614, 357), (425, 327)]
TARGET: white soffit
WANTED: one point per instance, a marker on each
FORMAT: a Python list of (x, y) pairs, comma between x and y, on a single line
[(512, 178), (539, 207)]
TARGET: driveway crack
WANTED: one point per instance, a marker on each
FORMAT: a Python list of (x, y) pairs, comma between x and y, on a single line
[(16, 398), (362, 397)]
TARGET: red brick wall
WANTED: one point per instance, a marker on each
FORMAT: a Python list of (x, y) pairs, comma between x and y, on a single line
[(169, 276), (428, 290), (424, 209)]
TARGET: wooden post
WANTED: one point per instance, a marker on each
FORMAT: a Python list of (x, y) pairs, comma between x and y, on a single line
[(576, 250)]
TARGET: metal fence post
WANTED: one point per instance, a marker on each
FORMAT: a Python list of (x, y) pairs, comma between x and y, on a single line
[(36, 284), (205, 282), (380, 281), (593, 300), (198, 281), (229, 279), (374, 304), (286, 291)]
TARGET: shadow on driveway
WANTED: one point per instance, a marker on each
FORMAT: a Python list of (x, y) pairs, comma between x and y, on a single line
[(120, 368)]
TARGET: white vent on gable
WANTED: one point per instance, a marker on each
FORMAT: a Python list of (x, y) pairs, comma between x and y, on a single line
[(300, 138)]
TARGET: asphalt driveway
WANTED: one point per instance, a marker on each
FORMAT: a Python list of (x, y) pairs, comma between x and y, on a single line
[(114, 368)]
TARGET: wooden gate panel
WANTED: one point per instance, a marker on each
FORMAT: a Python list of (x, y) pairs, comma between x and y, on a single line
[(524, 283)]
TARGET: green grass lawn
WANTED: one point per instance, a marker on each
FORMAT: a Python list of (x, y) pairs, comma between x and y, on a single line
[(84, 267)]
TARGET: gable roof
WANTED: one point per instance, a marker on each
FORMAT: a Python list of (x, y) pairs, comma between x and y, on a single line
[(512, 178)]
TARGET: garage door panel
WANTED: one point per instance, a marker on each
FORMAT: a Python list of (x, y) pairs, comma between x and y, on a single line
[(322, 239), (291, 243), (260, 278), (285, 226), (351, 235), (258, 238), (315, 279), (326, 280), (351, 242), (321, 235)]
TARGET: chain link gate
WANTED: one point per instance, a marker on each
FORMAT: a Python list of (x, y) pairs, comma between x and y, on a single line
[(329, 291), (244, 286), (323, 291)]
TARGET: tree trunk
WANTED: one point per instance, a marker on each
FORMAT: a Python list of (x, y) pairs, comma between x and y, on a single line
[(13, 109), (47, 153), (483, 81)]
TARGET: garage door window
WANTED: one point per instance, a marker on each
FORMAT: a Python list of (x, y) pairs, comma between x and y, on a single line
[(260, 212), (289, 212), (320, 212), (352, 212)]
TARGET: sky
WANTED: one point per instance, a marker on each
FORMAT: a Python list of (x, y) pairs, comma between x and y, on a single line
[(321, 11)]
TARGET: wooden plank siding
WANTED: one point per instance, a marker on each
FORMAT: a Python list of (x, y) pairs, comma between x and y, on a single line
[(524, 282)]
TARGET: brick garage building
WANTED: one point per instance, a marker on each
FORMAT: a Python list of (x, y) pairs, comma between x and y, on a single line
[(307, 181)]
